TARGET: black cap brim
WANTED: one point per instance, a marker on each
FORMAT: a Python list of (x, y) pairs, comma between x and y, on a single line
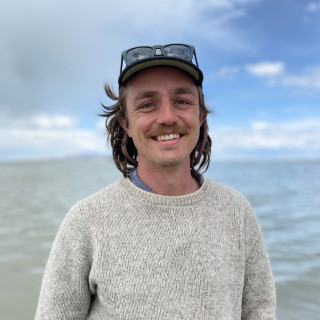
[(161, 61)]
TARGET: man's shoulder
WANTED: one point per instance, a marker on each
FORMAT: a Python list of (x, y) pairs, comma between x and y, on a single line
[(90, 214), (222, 192), (107, 197), (229, 201), (109, 192)]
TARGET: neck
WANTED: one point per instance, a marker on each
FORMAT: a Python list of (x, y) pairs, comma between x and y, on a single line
[(168, 181)]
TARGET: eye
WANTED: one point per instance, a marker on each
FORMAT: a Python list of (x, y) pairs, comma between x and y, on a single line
[(182, 102), (147, 105)]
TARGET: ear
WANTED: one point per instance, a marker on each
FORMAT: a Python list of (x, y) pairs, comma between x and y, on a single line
[(203, 118), (125, 126)]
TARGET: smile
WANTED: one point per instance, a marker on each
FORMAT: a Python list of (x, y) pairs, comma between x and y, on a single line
[(168, 137)]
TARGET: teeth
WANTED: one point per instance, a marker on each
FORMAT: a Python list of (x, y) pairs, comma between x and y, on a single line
[(167, 137)]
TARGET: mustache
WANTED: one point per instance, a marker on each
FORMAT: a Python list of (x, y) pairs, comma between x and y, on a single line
[(163, 129)]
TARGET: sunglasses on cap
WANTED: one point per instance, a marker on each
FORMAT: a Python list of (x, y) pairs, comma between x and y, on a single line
[(180, 56)]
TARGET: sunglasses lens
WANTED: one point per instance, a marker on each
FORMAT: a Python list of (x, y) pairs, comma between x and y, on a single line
[(178, 51), (139, 54)]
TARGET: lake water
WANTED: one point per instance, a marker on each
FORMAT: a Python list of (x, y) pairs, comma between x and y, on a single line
[(35, 196)]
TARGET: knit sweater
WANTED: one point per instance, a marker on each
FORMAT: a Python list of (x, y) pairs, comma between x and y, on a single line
[(124, 253)]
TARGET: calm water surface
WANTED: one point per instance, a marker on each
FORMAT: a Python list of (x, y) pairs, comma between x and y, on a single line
[(35, 197)]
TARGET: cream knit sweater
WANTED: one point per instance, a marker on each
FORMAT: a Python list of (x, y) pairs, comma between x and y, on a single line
[(124, 253)]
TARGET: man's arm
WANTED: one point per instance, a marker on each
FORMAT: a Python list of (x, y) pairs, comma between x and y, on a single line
[(259, 299), (65, 290)]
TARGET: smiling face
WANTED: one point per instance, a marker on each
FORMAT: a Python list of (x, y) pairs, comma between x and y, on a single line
[(163, 117)]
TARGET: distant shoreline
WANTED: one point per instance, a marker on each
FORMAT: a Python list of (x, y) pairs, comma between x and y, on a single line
[(213, 160)]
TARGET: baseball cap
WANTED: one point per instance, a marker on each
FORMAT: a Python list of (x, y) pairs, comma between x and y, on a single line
[(180, 56)]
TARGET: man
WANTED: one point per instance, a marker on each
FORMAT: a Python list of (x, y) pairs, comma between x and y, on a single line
[(163, 242)]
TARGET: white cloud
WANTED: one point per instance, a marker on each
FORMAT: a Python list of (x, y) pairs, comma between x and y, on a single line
[(49, 143), (38, 121), (313, 6), (101, 124), (28, 141), (266, 69), (275, 73), (45, 136), (45, 121), (299, 135), (61, 52), (309, 79), (259, 125), (228, 4)]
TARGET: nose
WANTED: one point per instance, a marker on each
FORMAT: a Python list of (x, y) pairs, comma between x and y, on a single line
[(167, 113)]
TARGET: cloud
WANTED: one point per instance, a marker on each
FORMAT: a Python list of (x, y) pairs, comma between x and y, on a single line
[(275, 74), (309, 79), (39, 121), (300, 135), (313, 6), (266, 69), (56, 56), (52, 122), (42, 137), (226, 72), (65, 50)]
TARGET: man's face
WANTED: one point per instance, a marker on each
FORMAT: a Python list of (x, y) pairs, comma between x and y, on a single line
[(163, 117)]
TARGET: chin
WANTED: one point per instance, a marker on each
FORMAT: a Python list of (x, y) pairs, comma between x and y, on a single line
[(170, 163)]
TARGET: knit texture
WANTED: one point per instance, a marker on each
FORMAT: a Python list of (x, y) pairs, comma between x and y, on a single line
[(124, 253)]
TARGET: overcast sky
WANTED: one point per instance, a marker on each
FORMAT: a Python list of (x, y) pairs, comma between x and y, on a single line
[(260, 59)]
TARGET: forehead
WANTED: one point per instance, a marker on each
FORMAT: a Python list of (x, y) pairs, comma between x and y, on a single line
[(160, 78)]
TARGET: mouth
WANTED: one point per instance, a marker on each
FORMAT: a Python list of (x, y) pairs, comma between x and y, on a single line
[(167, 137), (166, 133)]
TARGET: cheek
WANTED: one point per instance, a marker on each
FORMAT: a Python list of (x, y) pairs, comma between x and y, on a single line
[(142, 125), (192, 121)]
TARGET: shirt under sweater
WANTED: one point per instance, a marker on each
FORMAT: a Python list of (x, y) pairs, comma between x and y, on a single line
[(124, 253), (133, 176)]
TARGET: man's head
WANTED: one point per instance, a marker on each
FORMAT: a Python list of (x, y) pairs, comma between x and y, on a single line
[(160, 116)]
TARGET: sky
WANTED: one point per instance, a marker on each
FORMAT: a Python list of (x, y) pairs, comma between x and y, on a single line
[(260, 59)]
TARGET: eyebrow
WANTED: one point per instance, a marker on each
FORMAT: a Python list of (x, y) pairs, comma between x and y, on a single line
[(146, 94), (152, 94), (183, 91)]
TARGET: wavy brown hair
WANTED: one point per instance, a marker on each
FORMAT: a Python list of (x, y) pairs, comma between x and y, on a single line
[(123, 149)]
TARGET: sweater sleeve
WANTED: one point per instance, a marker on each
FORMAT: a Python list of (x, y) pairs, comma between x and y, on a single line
[(65, 292), (259, 297)]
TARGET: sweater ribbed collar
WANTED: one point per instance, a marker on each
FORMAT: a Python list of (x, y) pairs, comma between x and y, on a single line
[(138, 194), (134, 177)]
